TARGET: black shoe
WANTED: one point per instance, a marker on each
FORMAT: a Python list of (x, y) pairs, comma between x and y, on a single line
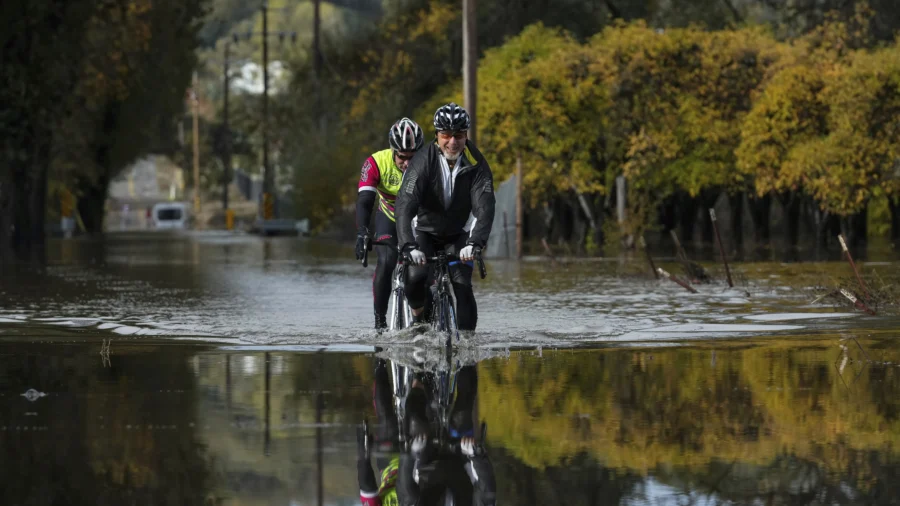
[(380, 323)]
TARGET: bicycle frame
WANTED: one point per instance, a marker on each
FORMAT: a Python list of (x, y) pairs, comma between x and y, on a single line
[(444, 300)]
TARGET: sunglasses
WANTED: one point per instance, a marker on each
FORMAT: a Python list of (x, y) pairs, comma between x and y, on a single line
[(445, 135), (403, 157)]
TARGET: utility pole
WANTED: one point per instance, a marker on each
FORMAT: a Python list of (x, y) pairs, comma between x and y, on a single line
[(268, 209), (470, 63), (320, 408), (317, 65), (267, 436), (196, 109), (317, 26), (226, 176), (268, 175)]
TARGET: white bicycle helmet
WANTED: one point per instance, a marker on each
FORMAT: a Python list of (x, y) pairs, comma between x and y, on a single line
[(406, 135)]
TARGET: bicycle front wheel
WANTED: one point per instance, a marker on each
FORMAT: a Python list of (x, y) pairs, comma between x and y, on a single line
[(447, 323), (398, 319)]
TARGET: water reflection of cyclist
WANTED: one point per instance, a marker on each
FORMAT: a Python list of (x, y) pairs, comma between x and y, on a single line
[(386, 441), (424, 475)]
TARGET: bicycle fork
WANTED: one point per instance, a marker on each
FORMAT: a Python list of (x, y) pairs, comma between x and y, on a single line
[(401, 315)]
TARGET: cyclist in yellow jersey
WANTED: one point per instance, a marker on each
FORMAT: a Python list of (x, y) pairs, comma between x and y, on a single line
[(385, 493), (380, 180)]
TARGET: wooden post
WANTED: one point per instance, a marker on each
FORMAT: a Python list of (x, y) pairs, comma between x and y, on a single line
[(519, 210), (712, 216), (643, 245), (856, 302), (505, 234), (674, 278), (470, 64), (196, 111), (226, 176), (853, 265)]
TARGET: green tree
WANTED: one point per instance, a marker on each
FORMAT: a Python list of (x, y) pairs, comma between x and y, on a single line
[(41, 43)]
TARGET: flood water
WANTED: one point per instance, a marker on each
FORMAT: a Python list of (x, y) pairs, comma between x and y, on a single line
[(220, 369)]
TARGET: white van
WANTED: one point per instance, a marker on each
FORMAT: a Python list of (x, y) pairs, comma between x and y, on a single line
[(170, 215)]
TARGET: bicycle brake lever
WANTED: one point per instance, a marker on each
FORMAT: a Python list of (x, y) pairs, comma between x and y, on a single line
[(365, 260), (481, 268)]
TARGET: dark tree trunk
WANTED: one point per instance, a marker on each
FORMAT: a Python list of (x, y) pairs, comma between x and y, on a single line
[(821, 219), (19, 232), (36, 199), (760, 212), (687, 219), (792, 205), (37, 214), (9, 194), (599, 219), (736, 208), (548, 215), (855, 229), (668, 213), (708, 201), (894, 205), (92, 204)]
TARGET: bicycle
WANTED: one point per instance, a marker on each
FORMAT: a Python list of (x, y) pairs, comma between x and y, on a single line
[(444, 298), (443, 321), (400, 317), (442, 440)]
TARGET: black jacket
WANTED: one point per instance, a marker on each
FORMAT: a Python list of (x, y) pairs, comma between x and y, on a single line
[(421, 195)]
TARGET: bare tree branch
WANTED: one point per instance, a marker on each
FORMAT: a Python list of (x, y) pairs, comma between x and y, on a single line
[(616, 13), (734, 11)]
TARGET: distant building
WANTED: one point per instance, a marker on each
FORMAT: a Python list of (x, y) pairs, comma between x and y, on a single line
[(250, 78)]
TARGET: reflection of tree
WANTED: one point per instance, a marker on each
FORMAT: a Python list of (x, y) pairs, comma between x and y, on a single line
[(754, 408), (578, 481), (313, 399), (789, 480), (106, 436)]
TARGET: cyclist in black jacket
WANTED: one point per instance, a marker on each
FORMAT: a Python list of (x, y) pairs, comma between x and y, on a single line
[(448, 187)]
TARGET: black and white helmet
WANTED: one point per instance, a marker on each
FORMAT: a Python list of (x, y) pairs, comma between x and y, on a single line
[(406, 135), (451, 117)]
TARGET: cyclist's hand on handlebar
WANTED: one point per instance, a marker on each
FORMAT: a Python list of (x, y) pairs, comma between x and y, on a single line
[(414, 255), (417, 257), (469, 253), (362, 243), (467, 446), (418, 446)]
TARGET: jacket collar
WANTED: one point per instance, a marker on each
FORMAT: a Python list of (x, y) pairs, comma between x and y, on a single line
[(471, 153)]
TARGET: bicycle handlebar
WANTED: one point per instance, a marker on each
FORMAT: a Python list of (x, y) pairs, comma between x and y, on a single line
[(454, 446), (367, 247), (368, 244), (478, 258)]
